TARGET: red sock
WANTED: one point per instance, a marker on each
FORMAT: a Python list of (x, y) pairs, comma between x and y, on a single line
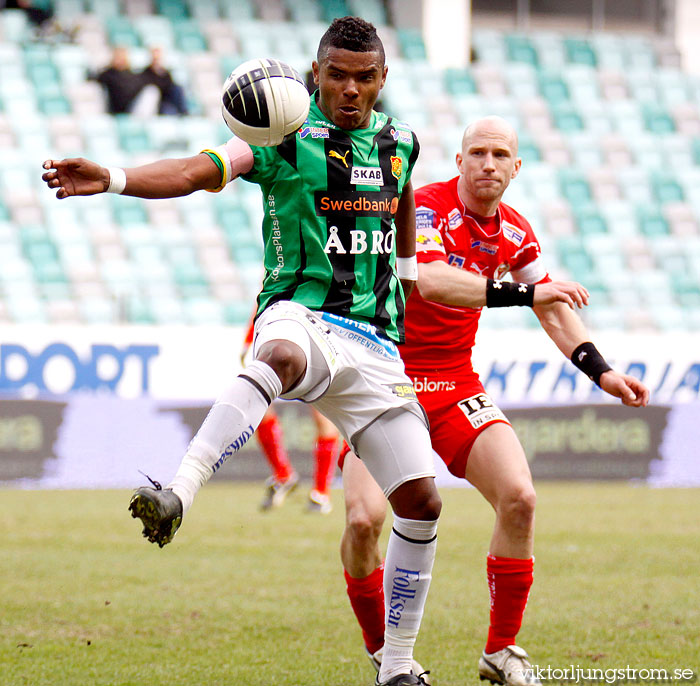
[(367, 600), (510, 580), (270, 438), (324, 458)]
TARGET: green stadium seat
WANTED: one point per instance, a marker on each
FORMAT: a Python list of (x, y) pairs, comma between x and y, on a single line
[(133, 135), (411, 43), (657, 119), (553, 88), (574, 187), (172, 9), (334, 8), (566, 117), (519, 48), (652, 222), (120, 31), (574, 258), (666, 188), (188, 36), (589, 220), (579, 51), (460, 82)]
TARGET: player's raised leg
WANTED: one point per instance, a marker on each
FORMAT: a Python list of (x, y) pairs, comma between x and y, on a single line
[(231, 421), (497, 466)]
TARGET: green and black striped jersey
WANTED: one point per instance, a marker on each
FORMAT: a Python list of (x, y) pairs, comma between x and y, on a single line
[(330, 197)]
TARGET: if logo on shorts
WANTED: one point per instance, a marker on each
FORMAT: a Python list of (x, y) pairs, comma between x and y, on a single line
[(480, 410)]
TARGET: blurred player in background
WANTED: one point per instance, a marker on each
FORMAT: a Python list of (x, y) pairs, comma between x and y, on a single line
[(330, 311), (284, 478), (462, 226)]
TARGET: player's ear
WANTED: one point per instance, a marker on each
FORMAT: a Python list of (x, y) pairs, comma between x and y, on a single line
[(315, 70), (516, 167), (458, 159), (385, 71)]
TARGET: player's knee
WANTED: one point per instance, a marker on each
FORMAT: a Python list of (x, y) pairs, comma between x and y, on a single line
[(417, 500), (287, 359), (518, 508), (363, 528)]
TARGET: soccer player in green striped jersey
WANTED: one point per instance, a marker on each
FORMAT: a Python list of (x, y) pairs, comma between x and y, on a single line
[(339, 235)]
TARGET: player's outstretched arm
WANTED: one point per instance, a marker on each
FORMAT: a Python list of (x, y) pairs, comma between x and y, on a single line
[(569, 333), (444, 284), (170, 178)]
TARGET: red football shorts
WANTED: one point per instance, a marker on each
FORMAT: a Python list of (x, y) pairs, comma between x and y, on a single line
[(458, 409)]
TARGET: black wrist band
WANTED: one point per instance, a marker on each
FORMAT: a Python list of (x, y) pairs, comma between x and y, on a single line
[(587, 358), (507, 293)]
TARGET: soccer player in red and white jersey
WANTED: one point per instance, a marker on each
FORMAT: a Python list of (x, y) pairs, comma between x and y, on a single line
[(284, 478), (463, 228)]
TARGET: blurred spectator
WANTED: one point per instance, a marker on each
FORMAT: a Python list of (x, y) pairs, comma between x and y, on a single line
[(121, 84), (36, 15), (42, 19), (172, 95)]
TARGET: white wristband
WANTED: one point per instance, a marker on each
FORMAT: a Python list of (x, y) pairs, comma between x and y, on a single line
[(117, 180), (407, 268)]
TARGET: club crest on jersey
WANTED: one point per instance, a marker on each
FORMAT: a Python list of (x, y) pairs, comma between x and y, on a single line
[(313, 131), (455, 260), (489, 248), (454, 218), (396, 166), (513, 233), (367, 176), (402, 136), (429, 239), (479, 410)]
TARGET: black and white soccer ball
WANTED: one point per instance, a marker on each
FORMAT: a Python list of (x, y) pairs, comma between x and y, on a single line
[(264, 100)]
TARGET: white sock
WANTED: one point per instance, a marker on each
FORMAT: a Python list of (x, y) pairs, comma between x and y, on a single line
[(407, 574), (232, 420)]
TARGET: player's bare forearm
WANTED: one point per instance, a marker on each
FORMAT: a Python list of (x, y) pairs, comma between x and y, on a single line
[(441, 283), (568, 332), (562, 325), (405, 221), (163, 179)]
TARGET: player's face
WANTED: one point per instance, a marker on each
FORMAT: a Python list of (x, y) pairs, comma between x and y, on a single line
[(349, 84), (487, 164)]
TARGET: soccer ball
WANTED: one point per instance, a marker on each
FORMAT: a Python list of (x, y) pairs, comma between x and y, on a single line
[(264, 100)]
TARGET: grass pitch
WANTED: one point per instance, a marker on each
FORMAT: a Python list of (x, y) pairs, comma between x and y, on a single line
[(242, 597)]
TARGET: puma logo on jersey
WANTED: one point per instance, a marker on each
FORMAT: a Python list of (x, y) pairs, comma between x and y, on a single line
[(338, 156)]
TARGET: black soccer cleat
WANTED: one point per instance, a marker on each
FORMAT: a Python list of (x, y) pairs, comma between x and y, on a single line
[(402, 680), (160, 511)]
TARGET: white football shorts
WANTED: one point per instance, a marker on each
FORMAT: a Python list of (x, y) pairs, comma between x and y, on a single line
[(356, 378)]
